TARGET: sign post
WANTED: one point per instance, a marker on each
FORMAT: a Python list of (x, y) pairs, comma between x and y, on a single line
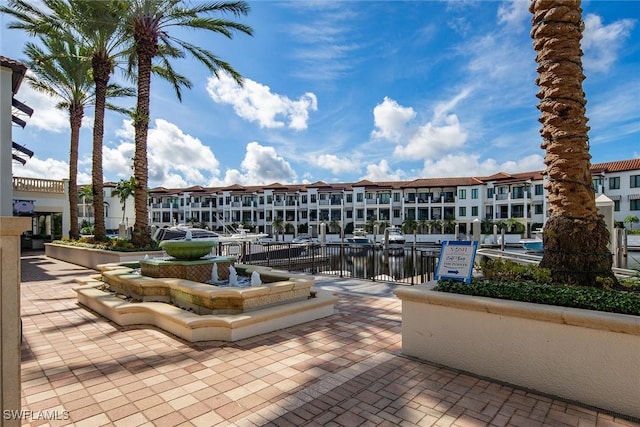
[(456, 260)]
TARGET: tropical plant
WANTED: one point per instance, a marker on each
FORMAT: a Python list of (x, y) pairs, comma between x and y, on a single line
[(86, 193), (409, 225), (148, 24), (60, 70), (631, 219), (575, 235), (95, 26), (124, 189), (278, 226), (435, 224)]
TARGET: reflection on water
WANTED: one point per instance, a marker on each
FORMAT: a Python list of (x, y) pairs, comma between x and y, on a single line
[(368, 263)]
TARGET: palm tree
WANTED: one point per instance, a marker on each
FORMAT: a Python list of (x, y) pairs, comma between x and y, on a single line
[(87, 196), (575, 235), (61, 72), (148, 24), (409, 225), (124, 189), (278, 226), (96, 27)]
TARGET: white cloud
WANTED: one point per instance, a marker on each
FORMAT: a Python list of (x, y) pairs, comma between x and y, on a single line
[(513, 12), (602, 43), (261, 165), (48, 168), (334, 163), (391, 120), (459, 165), (174, 158), (45, 114), (382, 172), (255, 102), (432, 140), (441, 135)]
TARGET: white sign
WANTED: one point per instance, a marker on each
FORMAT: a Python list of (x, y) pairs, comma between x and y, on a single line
[(456, 260)]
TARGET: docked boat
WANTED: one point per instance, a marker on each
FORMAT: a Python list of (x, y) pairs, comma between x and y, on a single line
[(358, 239), (534, 244), (394, 239), (184, 232)]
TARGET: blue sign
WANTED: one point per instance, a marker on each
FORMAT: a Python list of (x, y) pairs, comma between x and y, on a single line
[(456, 260)]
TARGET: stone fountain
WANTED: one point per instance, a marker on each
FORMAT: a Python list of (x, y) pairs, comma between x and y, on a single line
[(176, 294)]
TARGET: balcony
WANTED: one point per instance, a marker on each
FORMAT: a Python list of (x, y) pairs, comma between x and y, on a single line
[(38, 185)]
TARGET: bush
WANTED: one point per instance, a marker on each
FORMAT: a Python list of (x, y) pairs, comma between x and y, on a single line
[(109, 244), (530, 283)]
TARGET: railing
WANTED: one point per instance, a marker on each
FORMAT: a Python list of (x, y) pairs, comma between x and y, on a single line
[(409, 264), (38, 185)]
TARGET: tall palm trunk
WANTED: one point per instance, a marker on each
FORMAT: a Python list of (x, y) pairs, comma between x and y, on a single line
[(575, 235), (146, 50), (101, 70), (76, 113)]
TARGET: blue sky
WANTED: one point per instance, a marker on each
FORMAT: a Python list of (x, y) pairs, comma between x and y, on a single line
[(350, 90)]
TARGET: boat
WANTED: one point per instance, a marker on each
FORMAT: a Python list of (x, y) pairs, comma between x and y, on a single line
[(184, 232), (359, 238), (534, 244), (394, 239)]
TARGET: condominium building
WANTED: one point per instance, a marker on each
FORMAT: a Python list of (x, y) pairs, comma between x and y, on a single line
[(428, 201)]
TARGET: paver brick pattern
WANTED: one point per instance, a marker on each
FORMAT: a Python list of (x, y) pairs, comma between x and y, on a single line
[(344, 370)]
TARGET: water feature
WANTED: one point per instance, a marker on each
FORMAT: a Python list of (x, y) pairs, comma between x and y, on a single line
[(177, 295), (255, 279), (233, 276), (214, 273)]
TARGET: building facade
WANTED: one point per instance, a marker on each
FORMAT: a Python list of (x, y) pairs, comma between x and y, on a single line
[(430, 202)]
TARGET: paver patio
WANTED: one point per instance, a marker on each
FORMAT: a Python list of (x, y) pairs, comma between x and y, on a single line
[(344, 370)]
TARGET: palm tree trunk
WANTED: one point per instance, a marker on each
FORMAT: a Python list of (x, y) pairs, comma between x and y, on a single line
[(575, 235), (102, 70), (76, 113), (141, 234)]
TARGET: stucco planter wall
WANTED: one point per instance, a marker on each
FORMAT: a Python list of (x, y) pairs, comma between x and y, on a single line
[(581, 355), (91, 258)]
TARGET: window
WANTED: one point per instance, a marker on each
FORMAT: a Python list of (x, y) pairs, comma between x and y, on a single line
[(269, 200), (614, 183), (349, 198), (462, 194), (462, 211), (539, 189), (616, 205), (635, 181), (396, 197), (304, 198), (634, 205), (474, 210), (313, 198), (474, 193), (537, 209), (489, 193), (396, 213), (359, 197)]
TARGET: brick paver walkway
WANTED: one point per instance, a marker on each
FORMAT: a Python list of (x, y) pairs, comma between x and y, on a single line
[(345, 370)]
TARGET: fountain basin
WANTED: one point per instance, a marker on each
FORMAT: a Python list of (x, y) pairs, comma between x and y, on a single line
[(188, 249), (207, 313), (196, 270)]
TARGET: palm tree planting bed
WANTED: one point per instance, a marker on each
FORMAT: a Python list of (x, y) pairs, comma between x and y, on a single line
[(581, 355), (91, 258)]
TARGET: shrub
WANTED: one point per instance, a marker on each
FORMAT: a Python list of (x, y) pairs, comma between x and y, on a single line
[(530, 283)]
